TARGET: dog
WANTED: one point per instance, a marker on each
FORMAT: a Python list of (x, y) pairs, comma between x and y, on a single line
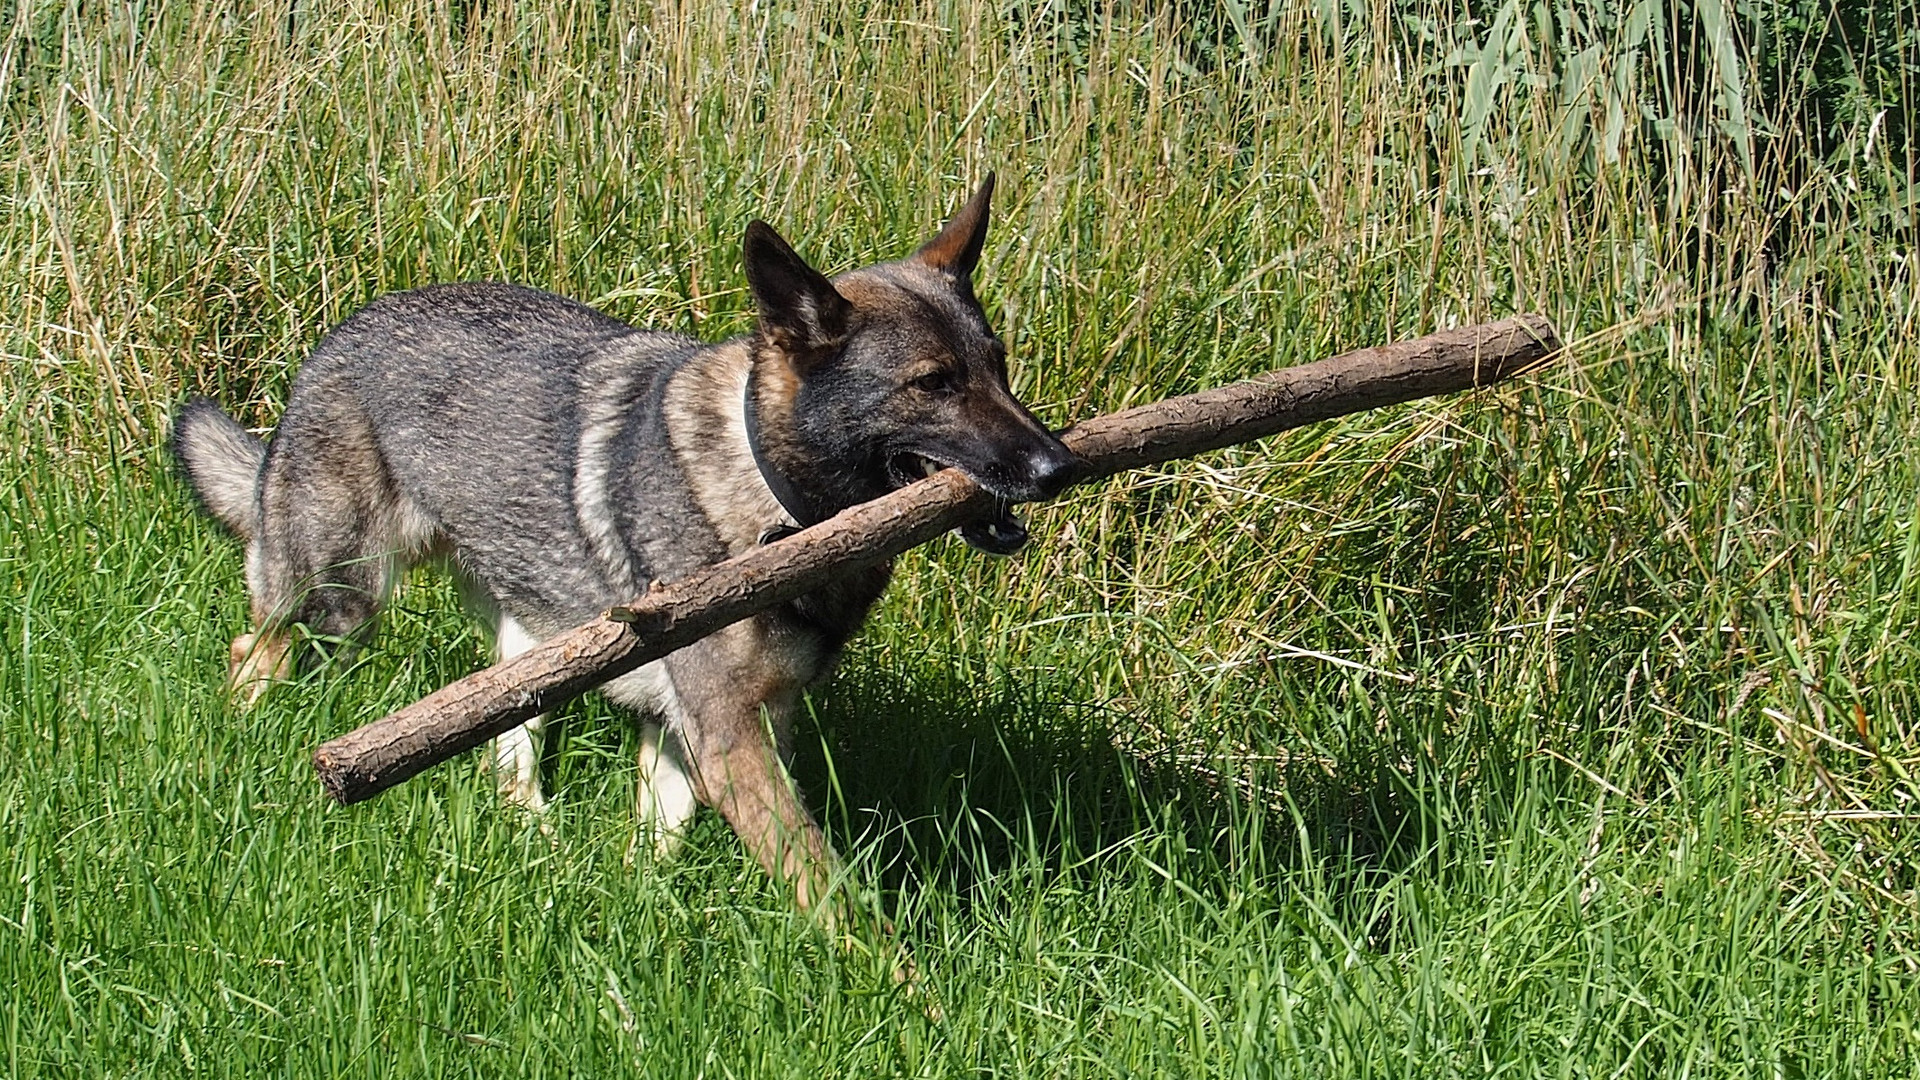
[(559, 460)]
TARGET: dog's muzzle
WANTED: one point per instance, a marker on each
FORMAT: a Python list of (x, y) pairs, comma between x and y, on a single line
[(1047, 471)]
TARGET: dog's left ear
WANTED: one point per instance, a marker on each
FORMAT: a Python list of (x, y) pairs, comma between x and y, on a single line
[(956, 251), (800, 310)]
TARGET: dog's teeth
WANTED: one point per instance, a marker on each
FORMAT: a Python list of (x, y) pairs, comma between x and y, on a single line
[(928, 468)]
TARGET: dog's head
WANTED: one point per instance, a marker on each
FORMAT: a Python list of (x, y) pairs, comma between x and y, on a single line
[(886, 374)]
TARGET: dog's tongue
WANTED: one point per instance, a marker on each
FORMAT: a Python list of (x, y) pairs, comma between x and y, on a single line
[(1001, 533)]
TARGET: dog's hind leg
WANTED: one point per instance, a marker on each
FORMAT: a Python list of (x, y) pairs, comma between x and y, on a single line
[(305, 576), (224, 464), (516, 753), (258, 659), (332, 534), (336, 603)]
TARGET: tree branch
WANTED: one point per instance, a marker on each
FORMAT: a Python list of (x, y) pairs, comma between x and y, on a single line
[(462, 715)]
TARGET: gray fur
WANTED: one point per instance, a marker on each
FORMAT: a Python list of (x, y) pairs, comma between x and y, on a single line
[(562, 459)]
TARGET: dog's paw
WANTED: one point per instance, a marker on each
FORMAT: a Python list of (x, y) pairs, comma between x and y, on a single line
[(527, 799), (254, 663), (878, 941), (653, 842)]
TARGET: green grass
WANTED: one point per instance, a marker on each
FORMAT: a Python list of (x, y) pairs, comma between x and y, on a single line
[(1563, 730)]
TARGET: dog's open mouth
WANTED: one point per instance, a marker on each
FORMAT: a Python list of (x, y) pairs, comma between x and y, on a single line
[(905, 468), (1000, 533)]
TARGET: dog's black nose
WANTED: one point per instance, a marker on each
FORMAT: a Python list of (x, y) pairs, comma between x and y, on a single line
[(1051, 469)]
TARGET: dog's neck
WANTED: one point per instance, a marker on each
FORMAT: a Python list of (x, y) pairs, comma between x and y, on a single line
[(785, 492), (810, 481)]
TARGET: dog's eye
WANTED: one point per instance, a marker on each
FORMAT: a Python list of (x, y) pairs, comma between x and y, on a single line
[(936, 382)]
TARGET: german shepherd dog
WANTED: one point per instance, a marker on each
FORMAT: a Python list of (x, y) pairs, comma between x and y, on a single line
[(560, 460)]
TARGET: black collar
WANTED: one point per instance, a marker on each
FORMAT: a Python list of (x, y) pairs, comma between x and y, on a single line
[(784, 492)]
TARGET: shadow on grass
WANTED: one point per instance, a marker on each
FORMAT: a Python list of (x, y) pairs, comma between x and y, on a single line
[(945, 786)]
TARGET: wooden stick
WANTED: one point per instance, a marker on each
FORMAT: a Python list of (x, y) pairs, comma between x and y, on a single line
[(462, 715)]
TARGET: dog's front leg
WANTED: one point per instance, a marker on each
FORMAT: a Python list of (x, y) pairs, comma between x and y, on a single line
[(736, 726), (738, 772), (515, 760), (664, 798)]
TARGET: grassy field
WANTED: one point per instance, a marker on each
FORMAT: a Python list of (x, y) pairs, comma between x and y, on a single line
[(1563, 730)]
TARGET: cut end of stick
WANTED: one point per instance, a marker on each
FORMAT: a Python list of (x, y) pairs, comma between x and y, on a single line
[(340, 780)]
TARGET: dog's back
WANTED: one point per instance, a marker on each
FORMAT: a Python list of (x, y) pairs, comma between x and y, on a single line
[(461, 414)]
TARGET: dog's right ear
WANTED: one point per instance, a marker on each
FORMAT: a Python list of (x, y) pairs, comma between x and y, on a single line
[(800, 311)]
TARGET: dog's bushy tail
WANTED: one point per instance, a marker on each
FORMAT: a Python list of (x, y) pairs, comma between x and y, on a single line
[(222, 462)]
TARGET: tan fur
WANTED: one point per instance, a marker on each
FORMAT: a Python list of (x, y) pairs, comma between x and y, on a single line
[(704, 398), (748, 692)]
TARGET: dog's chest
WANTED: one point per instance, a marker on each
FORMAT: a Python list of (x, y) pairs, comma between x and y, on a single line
[(808, 634), (674, 487)]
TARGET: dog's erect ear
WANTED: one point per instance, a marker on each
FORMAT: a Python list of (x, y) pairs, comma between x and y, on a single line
[(800, 311), (956, 251)]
